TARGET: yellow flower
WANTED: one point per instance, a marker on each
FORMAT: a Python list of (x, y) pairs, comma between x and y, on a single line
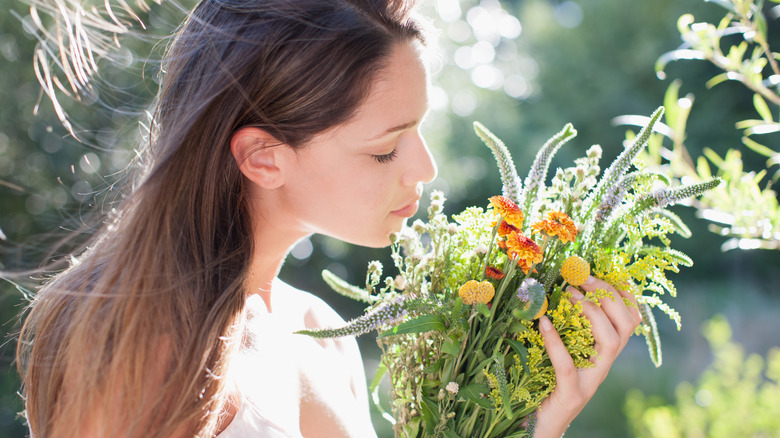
[(528, 253), (508, 210), (474, 291), (575, 270), (558, 224)]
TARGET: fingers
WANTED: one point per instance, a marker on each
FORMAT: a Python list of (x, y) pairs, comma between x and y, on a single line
[(565, 371), (624, 318), (608, 340)]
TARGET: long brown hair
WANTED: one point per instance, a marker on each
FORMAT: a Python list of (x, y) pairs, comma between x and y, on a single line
[(140, 328)]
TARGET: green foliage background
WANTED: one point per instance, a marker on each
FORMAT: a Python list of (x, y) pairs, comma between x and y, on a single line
[(584, 62)]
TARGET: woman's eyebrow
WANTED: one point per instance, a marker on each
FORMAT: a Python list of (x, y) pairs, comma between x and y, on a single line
[(395, 129)]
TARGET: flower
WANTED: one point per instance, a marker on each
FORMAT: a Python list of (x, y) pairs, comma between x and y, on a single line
[(575, 270), (452, 388), (523, 292), (524, 249), (558, 224), (399, 282), (506, 228), (474, 291), (494, 273), (508, 210)]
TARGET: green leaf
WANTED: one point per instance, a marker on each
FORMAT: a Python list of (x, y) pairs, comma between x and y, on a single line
[(714, 157), (420, 324), (650, 330), (519, 348), (703, 168), (762, 108), (430, 413), (473, 393), (758, 148), (717, 79), (451, 347), (670, 103), (381, 371), (483, 309)]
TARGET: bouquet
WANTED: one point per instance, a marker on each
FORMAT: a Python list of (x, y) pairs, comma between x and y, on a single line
[(458, 324)]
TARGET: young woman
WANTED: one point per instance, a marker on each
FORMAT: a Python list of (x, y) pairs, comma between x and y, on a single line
[(276, 119)]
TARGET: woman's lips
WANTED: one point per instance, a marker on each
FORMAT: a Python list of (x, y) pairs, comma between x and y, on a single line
[(408, 210)]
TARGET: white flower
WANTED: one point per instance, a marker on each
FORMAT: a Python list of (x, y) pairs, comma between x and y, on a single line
[(452, 229), (481, 249), (452, 388), (399, 282)]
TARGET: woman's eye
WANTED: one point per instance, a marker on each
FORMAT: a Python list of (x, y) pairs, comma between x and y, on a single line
[(386, 158)]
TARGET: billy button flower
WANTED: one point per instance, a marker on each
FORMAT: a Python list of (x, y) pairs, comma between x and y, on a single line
[(507, 209), (575, 270), (557, 224), (527, 252), (473, 292)]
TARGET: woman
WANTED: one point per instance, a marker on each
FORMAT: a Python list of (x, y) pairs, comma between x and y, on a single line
[(276, 119)]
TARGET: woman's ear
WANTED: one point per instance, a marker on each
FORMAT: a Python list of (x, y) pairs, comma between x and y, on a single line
[(256, 153)]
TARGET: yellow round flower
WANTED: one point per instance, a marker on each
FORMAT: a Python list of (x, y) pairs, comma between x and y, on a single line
[(543, 310), (474, 291), (575, 270)]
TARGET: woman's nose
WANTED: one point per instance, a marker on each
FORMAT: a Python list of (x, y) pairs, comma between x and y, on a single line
[(422, 166)]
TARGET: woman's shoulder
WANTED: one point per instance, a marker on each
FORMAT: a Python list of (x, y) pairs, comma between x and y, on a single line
[(315, 311)]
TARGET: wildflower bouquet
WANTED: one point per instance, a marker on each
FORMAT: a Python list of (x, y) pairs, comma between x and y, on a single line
[(457, 325)]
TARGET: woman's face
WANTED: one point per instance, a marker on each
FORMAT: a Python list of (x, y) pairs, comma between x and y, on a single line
[(360, 181)]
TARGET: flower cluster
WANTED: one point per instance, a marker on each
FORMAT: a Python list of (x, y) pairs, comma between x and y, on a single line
[(458, 323)]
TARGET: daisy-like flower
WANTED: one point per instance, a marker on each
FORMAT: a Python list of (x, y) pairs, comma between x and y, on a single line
[(494, 273), (507, 209), (557, 224), (528, 253), (473, 292)]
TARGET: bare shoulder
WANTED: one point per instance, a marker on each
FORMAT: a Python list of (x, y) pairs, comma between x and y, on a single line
[(316, 312)]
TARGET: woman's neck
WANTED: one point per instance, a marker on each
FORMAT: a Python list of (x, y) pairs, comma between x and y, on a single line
[(271, 247)]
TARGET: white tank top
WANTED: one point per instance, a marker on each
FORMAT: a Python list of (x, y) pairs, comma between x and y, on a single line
[(250, 423)]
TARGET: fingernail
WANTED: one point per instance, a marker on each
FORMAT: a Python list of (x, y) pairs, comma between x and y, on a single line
[(591, 279), (544, 324), (576, 295)]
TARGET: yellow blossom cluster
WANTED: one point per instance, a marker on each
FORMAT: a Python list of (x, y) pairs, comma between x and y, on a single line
[(473, 292), (575, 270)]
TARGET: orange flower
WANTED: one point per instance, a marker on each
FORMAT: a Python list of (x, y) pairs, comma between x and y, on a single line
[(494, 273), (507, 209), (557, 224), (525, 249), (505, 228)]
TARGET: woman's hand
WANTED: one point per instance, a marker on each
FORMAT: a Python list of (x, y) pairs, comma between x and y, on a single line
[(613, 323)]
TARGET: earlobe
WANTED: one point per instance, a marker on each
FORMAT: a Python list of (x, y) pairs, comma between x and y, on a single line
[(256, 153)]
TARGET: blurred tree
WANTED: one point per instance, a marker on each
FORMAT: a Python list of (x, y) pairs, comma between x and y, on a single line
[(737, 395), (745, 208)]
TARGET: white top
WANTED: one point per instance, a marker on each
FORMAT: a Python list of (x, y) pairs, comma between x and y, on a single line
[(250, 423)]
